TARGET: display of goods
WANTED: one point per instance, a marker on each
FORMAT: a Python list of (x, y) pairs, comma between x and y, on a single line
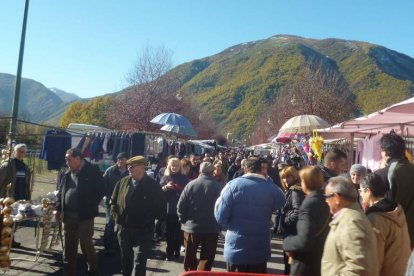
[(6, 232)]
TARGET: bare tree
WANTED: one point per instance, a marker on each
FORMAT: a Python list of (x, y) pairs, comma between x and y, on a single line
[(151, 65), (152, 91), (319, 90)]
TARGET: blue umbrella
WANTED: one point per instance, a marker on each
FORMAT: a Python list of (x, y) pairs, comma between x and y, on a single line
[(180, 130), (173, 119)]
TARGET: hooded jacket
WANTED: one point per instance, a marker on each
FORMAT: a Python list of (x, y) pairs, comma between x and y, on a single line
[(393, 241)]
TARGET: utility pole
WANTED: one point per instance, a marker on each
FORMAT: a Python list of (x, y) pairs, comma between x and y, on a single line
[(15, 110)]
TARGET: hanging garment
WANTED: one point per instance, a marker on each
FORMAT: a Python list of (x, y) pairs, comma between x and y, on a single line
[(55, 145), (138, 144)]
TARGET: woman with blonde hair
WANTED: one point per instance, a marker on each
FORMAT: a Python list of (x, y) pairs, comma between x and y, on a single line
[(306, 247), (290, 211), (173, 183)]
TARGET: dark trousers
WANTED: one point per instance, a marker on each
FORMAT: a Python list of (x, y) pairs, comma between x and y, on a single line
[(135, 248), (109, 233), (208, 243), (174, 235), (286, 262), (248, 268), (160, 227), (76, 232)]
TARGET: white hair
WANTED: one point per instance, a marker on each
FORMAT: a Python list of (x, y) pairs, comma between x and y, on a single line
[(20, 146)]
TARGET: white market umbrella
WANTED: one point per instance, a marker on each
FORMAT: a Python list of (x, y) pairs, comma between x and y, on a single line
[(303, 124)]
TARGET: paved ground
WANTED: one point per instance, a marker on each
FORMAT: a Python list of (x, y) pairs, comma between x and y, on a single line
[(50, 263)]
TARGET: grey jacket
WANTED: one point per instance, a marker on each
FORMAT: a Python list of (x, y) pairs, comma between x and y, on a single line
[(195, 207)]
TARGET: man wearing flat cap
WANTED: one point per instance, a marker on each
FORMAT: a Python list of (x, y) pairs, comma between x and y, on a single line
[(136, 202), (111, 176)]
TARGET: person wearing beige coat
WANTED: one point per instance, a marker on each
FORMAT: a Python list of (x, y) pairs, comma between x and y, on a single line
[(389, 224), (351, 246)]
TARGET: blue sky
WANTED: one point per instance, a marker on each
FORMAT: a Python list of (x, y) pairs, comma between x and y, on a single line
[(88, 47)]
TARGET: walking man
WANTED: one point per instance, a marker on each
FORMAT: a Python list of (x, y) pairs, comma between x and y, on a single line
[(245, 209), (80, 193), (111, 176), (196, 214), (136, 202), (351, 246)]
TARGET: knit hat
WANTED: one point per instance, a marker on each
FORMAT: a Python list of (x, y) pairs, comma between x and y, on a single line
[(359, 169)]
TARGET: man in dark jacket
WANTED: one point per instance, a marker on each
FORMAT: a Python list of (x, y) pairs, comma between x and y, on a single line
[(15, 178), (79, 195), (399, 176), (334, 164), (136, 202), (234, 168), (15, 175), (195, 211), (111, 176)]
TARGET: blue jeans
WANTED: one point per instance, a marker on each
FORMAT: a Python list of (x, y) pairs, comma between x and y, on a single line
[(109, 233)]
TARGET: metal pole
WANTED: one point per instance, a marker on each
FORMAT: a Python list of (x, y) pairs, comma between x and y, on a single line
[(13, 121)]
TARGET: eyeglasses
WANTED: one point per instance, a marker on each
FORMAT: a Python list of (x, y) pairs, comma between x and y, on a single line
[(362, 190), (130, 167), (329, 195)]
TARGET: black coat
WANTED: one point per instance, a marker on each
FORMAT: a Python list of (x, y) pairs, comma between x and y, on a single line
[(312, 228), (173, 195), (90, 190), (146, 204), (327, 173), (290, 211)]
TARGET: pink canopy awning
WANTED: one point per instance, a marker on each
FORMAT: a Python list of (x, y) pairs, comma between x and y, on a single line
[(398, 117)]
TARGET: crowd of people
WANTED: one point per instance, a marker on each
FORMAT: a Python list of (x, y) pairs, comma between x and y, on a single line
[(333, 220)]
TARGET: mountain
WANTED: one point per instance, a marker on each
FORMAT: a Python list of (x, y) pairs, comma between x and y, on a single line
[(234, 86), (237, 84), (36, 104), (65, 96)]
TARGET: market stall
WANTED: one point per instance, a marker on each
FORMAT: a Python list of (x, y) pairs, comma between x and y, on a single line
[(398, 118), (47, 230), (296, 134)]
